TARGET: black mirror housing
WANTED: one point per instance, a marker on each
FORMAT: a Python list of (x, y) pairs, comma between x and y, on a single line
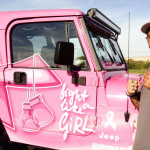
[(64, 53)]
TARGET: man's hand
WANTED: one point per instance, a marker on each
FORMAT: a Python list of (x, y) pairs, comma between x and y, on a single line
[(132, 86), (146, 81)]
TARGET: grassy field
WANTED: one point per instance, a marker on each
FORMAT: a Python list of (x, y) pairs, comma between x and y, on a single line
[(140, 71)]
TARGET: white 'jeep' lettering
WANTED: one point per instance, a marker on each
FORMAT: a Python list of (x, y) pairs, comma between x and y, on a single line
[(109, 137)]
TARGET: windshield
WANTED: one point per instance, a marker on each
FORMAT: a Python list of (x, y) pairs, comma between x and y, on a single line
[(106, 47)]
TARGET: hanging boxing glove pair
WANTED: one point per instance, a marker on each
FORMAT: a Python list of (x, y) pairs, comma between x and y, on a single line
[(36, 114)]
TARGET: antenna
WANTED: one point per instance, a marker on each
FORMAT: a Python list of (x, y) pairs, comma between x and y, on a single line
[(127, 114), (128, 43)]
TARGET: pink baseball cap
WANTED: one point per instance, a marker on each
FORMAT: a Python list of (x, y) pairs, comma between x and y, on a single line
[(145, 27)]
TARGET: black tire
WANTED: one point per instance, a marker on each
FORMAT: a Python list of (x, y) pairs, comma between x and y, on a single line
[(12, 146)]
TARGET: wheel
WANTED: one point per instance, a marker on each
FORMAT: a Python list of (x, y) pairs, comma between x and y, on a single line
[(12, 146)]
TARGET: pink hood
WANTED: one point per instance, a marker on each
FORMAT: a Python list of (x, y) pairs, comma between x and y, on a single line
[(115, 89)]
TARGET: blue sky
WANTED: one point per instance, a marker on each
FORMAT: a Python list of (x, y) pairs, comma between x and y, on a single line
[(116, 10)]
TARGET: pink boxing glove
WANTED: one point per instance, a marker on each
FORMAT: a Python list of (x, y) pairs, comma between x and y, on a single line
[(42, 115), (26, 119)]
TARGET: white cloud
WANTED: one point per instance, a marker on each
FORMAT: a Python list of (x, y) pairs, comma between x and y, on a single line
[(45, 4), (116, 10), (138, 43)]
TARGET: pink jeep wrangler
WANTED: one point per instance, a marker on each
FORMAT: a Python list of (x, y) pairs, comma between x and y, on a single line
[(62, 82)]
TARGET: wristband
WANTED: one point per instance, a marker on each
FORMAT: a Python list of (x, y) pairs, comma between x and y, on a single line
[(130, 95)]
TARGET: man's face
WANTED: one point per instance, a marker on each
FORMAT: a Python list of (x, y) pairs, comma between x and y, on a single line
[(148, 38)]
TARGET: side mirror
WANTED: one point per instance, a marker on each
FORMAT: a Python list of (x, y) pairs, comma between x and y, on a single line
[(64, 53)]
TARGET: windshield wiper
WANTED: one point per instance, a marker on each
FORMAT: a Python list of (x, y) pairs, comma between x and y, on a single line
[(103, 47), (116, 52)]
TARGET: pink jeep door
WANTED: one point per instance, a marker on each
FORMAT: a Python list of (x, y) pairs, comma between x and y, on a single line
[(41, 95)]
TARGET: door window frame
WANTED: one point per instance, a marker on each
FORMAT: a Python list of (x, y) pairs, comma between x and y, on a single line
[(51, 19)]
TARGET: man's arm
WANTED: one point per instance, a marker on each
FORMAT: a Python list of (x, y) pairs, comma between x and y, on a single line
[(132, 88), (146, 81), (136, 100)]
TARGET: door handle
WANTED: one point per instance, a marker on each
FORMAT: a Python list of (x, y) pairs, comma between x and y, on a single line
[(20, 78)]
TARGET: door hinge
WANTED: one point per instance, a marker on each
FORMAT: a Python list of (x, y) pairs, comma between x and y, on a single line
[(94, 81)]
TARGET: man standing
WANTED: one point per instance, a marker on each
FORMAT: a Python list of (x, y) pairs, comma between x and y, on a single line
[(142, 139)]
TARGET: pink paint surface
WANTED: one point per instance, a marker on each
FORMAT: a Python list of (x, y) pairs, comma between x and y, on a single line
[(50, 111)]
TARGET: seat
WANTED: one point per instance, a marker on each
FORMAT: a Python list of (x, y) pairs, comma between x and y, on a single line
[(47, 53), (22, 48)]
